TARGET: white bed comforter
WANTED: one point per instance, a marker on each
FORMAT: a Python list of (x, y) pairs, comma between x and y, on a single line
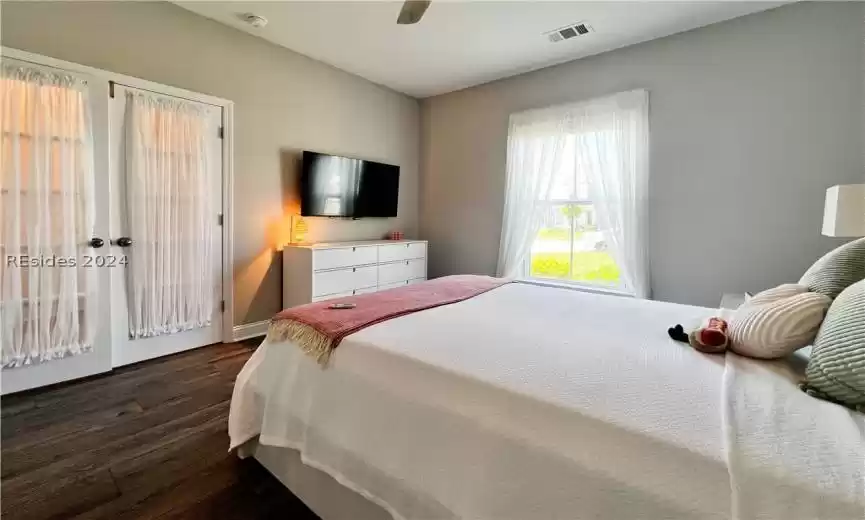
[(538, 403)]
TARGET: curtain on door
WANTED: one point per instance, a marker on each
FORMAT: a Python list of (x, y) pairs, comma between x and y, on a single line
[(47, 289), (170, 216)]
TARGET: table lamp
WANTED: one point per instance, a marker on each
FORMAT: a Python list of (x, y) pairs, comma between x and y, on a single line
[(844, 213)]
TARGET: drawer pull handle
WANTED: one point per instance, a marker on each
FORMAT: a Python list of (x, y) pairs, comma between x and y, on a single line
[(353, 249), (406, 262), (354, 292), (354, 269)]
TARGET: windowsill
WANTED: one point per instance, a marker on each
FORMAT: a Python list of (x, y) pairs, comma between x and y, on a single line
[(576, 287)]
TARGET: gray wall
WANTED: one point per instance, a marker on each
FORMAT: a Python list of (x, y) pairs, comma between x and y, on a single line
[(284, 102), (751, 120)]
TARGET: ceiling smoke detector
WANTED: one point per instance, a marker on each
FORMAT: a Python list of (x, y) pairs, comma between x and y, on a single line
[(254, 20), (569, 31)]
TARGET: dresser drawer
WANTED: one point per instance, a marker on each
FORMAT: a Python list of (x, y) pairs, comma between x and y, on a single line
[(394, 252), (343, 257), (344, 294), (394, 285), (343, 280), (331, 296), (401, 271)]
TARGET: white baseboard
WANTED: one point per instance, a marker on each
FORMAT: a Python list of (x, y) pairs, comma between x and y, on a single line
[(250, 330)]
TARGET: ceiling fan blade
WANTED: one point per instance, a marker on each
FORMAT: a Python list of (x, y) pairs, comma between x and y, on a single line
[(412, 11)]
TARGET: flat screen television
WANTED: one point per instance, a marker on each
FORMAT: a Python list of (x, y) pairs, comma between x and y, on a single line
[(333, 186)]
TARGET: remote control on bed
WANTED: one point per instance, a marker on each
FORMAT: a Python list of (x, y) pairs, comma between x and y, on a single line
[(341, 306)]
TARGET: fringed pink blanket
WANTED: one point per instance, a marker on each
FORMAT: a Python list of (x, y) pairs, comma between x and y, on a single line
[(318, 330)]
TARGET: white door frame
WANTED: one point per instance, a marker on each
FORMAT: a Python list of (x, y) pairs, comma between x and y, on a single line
[(227, 157)]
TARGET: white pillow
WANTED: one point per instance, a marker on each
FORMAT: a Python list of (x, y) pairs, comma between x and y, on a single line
[(778, 321)]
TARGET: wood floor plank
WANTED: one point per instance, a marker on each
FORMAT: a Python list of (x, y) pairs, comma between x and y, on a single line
[(10, 406), (41, 447), (61, 496), (146, 441), (186, 495)]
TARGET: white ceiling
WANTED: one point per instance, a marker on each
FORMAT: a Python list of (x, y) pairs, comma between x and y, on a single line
[(461, 44)]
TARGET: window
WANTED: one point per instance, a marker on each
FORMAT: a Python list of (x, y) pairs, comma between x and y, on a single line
[(576, 195), (569, 246)]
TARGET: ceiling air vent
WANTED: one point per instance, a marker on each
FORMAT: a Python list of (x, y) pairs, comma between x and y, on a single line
[(568, 32)]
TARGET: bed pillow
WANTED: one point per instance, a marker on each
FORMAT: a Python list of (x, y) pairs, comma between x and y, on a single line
[(836, 369), (837, 270), (777, 322)]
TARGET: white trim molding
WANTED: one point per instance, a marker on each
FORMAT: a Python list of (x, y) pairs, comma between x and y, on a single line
[(250, 330)]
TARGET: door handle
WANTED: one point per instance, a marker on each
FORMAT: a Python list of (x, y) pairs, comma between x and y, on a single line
[(96, 242), (123, 242)]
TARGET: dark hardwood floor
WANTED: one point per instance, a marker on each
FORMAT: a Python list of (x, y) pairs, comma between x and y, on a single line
[(146, 441)]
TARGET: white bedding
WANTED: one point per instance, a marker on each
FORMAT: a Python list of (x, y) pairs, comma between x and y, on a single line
[(540, 403)]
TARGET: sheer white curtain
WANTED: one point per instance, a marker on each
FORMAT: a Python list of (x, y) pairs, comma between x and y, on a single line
[(535, 152), (47, 296), (168, 179), (613, 151), (612, 147)]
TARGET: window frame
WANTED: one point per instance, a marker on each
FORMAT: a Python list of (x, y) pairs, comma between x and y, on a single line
[(619, 288)]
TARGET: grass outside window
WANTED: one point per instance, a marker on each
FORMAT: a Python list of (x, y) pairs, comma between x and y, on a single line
[(594, 267)]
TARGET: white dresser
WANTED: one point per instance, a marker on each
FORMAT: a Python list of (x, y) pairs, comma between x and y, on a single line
[(313, 272)]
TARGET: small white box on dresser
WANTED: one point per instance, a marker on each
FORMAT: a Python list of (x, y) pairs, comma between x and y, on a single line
[(314, 272)]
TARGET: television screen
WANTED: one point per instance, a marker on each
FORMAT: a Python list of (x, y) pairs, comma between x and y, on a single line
[(333, 186)]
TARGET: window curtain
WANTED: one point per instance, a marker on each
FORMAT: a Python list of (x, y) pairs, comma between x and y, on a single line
[(47, 295), (170, 217), (536, 146), (613, 151), (612, 146)]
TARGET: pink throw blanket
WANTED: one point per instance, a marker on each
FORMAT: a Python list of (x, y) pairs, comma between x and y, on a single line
[(318, 329)]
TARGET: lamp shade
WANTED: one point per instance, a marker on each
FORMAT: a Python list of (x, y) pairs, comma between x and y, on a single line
[(844, 213)]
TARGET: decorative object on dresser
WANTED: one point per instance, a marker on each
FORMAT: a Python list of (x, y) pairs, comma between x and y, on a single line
[(315, 272), (298, 230)]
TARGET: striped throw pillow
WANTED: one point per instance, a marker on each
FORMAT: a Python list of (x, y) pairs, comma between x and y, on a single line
[(837, 270), (777, 322), (836, 370)]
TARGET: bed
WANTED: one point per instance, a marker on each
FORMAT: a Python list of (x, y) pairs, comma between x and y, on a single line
[(545, 403)]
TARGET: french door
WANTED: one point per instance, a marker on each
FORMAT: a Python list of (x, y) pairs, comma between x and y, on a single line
[(166, 163), (53, 226), (110, 222)]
